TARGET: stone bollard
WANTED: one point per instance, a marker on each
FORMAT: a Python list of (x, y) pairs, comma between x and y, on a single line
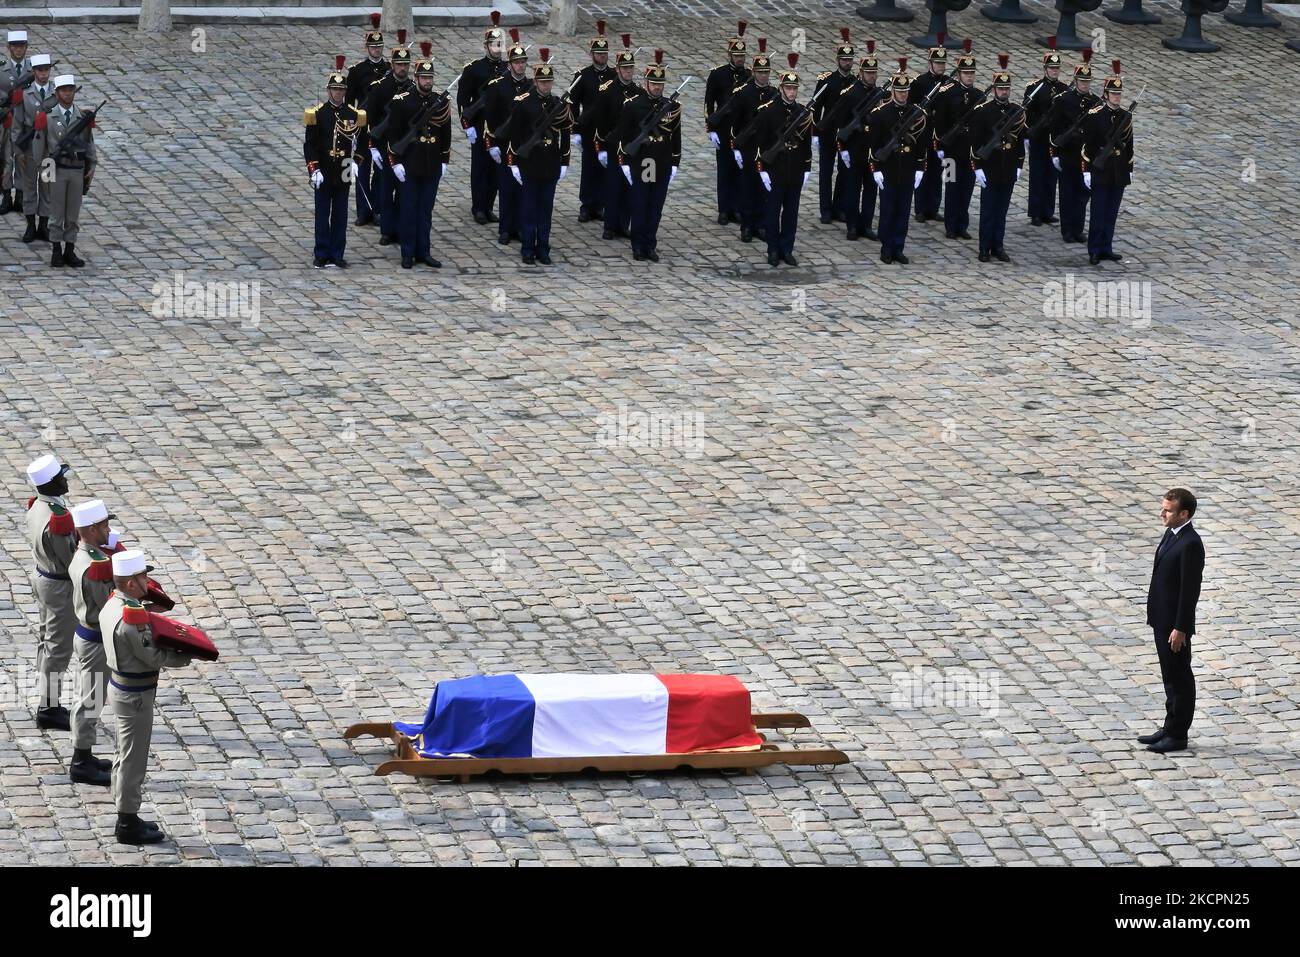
[(564, 18), (155, 16), (397, 15)]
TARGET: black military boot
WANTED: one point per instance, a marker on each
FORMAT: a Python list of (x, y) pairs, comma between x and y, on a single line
[(18, 201), (30, 233), (85, 769), (56, 257), (6, 202), (71, 258), (52, 718), (131, 830), (43, 229)]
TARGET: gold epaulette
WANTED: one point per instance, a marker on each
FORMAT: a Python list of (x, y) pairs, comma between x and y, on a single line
[(1096, 108), (522, 96), (604, 86), (947, 86), (495, 79), (822, 76), (402, 95), (309, 115), (739, 88), (764, 106), (361, 117)]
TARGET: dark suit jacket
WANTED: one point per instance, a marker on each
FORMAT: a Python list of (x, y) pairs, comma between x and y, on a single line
[(1176, 584)]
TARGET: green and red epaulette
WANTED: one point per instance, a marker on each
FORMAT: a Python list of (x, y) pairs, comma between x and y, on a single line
[(100, 570), (134, 613), (60, 520)]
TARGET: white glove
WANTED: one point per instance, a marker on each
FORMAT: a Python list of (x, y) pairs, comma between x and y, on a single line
[(576, 141), (564, 171), (816, 143), (1056, 162), (627, 174), (1017, 174), (316, 179), (916, 180), (805, 180), (844, 158), (356, 172), (376, 158), (672, 175), (879, 178), (400, 172), (939, 153), (981, 180), (1087, 180), (471, 134), (495, 153), (717, 143), (444, 169), (517, 174), (603, 156), (740, 160), (767, 180), (112, 538), (1026, 146)]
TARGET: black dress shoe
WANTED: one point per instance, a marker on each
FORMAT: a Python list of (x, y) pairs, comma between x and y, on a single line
[(1094, 260), (790, 260), (320, 262), (760, 234), (503, 239), (598, 214), (827, 219), (491, 218), (480, 219), (838, 217), (733, 217), (722, 219), (886, 258), (746, 234), (948, 235), (900, 258), (963, 235), (1113, 257), (1079, 238), (622, 234), (53, 719), (1167, 744), (1001, 255), (408, 262), (638, 256), (430, 261), (341, 262), (607, 234), (921, 217), (652, 255), (363, 221), (984, 257), (530, 260), (84, 769), (1151, 738), (1050, 220), (871, 234), (584, 216), (774, 260), (851, 235), (1035, 221), (386, 240), (131, 830), (544, 258)]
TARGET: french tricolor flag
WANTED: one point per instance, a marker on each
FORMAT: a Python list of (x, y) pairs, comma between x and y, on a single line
[(572, 715)]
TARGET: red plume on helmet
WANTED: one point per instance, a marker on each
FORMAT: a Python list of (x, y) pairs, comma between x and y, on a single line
[(1087, 54), (545, 53), (940, 37), (871, 46), (741, 26), (514, 34), (627, 40), (374, 21), (1051, 42), (902, 64), (659, 57), (339, 60), (1003, 60), (1114, 65), (600, 28), (496, 18), (762, 44), (844, 34), (401, 38), (793, 59), (966, 44)]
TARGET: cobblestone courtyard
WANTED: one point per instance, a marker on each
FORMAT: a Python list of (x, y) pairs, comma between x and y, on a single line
[(918, 505)]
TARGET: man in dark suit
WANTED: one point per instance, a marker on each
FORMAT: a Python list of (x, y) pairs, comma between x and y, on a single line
[(1171, 612)]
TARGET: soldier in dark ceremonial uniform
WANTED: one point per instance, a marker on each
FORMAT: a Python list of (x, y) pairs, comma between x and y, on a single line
[(899, 174), (538, 158), (930, 194), (997, 174), (785, 175), (591, 188), (650, 168), (611, 98), (859, 198), (723, 83), (829, 190), (473, 79), (738, 116), (396, 80), (1107, 171), (500, 97), (334, 139), (1038, 103), (1066, 144), (420, 166), (360, 76), (952, 113)]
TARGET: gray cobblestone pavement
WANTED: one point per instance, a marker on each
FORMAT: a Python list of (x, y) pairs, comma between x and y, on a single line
[(916, 504)]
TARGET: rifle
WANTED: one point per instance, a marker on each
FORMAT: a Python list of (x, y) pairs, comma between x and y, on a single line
[(1072, 130), (474, 109), (771, 153), (947, 137), (22, 83), (651, 121), (73, 133), (526, 147), (1014, 116), (915, 112), (1045, 121), (859, 114), (379, 129), (438, 101), (1122, 130)]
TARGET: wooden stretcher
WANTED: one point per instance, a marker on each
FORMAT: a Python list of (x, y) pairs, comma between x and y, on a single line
[(406, 760)]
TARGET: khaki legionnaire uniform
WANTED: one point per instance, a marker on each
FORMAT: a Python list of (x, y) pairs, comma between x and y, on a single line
[(582, 97), (91, 571), (723, 83), (540, 127), (421, 164), (1107, 164), (784, 176), (830, 191), (1065, 144), (902, 172), (53, 539), (11, 71), (73, 161), (650, 168), (473, 79), (741, 111), (360, 76), (1002, 121), (500, 96), (37, 98), (1039, 103), (855, 102), (334, 141), (611, 98), (134, 662)]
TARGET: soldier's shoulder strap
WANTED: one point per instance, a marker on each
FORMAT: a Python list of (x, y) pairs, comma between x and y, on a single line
[(764, 106), (1097, 108), (523, 96), (823, 75), (309, 115), (737, 89), (496, 79), (605, 86), (402, 95), (947, 86)]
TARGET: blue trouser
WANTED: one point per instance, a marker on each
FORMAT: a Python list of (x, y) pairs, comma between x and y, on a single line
[(956, 199), (731, 182), (367, 188), (783, 217), (591, 188), (331, 221), (510, 194), (618, 210), (930, 193), (482, 178), (536, 203), (418, 195), (995, 200), (859, 200), (1101, 225), (388, 211), (828, 195), (1042, 181), (1074, 198), (753, 198), (647, 202), (895, 203)]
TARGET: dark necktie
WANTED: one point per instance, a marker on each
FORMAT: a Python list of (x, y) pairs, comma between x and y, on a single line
[(1166, 540)]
